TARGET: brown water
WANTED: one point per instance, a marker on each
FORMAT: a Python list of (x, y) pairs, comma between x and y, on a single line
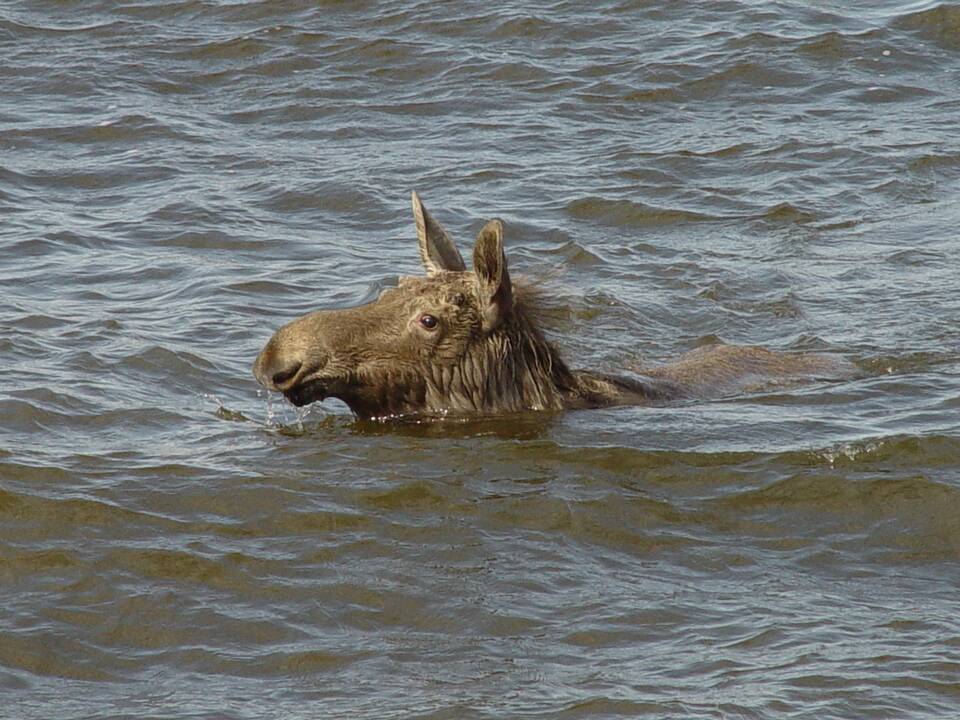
[(177, 179)]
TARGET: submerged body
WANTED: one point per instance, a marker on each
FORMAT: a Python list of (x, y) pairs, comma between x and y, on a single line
[(460, 342)]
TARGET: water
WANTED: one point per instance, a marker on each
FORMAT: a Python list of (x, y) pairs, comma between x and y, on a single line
[(177, 179)]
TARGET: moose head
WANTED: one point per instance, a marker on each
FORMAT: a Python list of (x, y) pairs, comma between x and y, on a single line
[(454, 341)]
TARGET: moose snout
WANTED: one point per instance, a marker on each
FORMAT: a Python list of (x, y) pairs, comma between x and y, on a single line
[(284, 374), (298, 352), (276, 369)]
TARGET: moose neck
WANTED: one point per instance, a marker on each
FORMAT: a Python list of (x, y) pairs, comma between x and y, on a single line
[(512, 369)]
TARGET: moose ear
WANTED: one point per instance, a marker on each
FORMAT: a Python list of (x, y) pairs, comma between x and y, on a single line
[(437, 251), (493, 280)]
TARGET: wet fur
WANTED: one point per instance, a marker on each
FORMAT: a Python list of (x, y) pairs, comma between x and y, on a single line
[(486, 355)]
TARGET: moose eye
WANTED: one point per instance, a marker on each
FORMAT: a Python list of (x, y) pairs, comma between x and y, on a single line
[(429, 321)]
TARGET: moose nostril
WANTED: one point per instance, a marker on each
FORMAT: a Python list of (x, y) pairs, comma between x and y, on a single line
[(281, 376)]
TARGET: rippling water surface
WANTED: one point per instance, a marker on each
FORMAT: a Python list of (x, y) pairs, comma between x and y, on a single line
[(177, 179)]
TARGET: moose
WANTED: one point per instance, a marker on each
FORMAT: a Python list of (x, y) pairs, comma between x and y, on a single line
[(467, 343)]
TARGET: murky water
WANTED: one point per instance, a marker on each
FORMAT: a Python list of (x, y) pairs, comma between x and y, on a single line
[(177, 179)]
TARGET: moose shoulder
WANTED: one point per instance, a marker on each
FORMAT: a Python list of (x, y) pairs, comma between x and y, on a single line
[(461, 342)]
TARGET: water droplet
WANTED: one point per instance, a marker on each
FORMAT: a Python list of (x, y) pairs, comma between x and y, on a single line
[(302, 413)]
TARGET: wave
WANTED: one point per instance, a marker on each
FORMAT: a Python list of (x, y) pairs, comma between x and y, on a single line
[(630, 213), (940, 24)]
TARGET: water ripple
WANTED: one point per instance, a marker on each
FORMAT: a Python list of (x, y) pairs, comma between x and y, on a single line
[(179, 179)]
